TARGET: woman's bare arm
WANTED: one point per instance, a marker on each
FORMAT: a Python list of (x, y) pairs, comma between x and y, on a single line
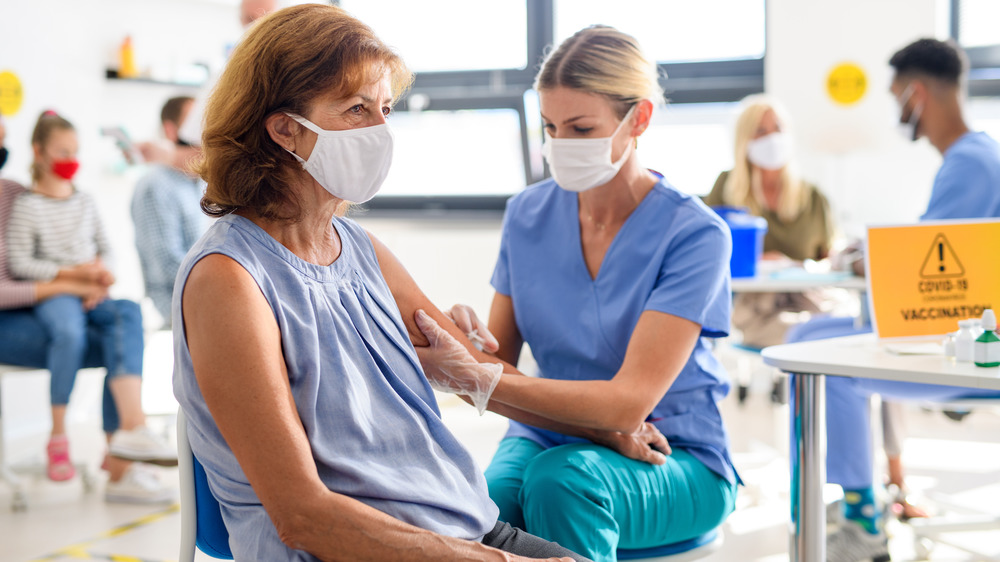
[(235, 346)]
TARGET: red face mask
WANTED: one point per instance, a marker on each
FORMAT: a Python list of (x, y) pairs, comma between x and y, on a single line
[(65, 169)]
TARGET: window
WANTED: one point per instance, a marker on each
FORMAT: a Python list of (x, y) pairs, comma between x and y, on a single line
[(456, 153), (452, 35), (469, 134), (974, 26), (674, 30)]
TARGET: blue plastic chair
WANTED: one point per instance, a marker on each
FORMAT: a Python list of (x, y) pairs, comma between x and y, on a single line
[(201, 516), (691, 549)]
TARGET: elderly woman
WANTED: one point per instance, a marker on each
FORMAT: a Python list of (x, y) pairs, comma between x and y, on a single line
[(305, 398)]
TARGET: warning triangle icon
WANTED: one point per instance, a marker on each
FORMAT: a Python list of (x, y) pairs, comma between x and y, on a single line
[(941, 260)]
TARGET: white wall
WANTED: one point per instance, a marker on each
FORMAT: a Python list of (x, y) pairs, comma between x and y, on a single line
[(852, 152), (60, 49)]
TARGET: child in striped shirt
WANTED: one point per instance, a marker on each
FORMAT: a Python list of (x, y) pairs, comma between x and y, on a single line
[(54, 230)]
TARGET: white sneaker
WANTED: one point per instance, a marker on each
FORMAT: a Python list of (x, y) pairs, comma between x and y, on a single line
[(141, 444), (139, 484), (851, 543)]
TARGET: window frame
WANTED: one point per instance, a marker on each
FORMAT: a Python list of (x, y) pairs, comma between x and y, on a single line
[(688, 82), (983, 78)]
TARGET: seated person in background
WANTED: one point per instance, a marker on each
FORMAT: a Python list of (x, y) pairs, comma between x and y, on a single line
[(799, 222), (110, 336), (305, 399), (927, 83), (928, 86), (166, 211), (616, 281)]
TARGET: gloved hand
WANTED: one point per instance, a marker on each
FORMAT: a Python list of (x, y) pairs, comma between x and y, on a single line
[(465, 318), (451, 368)]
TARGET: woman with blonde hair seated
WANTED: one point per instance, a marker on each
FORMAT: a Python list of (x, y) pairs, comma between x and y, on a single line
[(764, 180)]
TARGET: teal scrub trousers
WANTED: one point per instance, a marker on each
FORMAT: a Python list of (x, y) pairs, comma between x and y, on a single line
[(593, 500)]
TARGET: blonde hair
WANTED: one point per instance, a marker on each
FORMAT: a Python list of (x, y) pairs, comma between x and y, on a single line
[(48, 122), (287, 60), (743, 186), (602, 60)]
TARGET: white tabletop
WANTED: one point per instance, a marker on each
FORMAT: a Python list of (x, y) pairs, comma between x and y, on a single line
[(866, 357), (794, 280)]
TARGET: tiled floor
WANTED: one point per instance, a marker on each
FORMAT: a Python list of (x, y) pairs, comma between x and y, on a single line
[(63, 522)]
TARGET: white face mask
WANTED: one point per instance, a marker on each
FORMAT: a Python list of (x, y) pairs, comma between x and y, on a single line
[(350, 164), (908, 129), (582, 164), (770, 152)]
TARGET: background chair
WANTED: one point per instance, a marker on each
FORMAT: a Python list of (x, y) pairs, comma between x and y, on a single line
[(201, 515), (684, 551)]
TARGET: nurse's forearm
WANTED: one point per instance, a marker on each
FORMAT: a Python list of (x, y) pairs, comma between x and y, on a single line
[(592, 404)]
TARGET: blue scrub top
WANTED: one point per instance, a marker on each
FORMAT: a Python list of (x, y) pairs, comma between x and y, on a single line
[(671, 255), (968, 183)]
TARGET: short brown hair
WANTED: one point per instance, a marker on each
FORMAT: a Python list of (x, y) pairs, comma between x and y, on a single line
[(287, 60), (172, 109), (48, 122)]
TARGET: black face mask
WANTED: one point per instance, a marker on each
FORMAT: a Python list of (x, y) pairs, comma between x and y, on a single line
[(3, 156)]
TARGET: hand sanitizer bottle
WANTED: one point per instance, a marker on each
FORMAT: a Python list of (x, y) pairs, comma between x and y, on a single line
[(965, 341), (987, 347)]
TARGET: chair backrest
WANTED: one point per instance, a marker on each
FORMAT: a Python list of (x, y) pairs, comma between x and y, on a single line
[(201, 516)]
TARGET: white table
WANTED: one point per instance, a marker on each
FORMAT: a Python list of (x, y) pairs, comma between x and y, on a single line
[(795, 280), (852, 356)]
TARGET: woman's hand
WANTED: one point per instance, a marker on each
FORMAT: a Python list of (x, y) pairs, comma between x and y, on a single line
[(465, 318), (451, 368), (645, 444)]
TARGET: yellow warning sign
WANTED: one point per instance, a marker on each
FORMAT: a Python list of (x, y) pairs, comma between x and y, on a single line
[(11, 93), (846, 84), (923, 279), (941, 260)]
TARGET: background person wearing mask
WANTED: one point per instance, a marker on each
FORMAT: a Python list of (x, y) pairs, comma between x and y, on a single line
[(25, 341), (928, 85), (166, 211), (616, 281), (799, 222)]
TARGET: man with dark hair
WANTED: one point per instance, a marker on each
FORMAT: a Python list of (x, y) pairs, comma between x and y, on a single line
[(929, 86), (166, 210)]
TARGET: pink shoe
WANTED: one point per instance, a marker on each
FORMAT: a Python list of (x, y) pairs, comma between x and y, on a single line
[(60, 468)]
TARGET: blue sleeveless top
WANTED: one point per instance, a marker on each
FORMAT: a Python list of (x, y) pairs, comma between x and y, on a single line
[(371, 417)]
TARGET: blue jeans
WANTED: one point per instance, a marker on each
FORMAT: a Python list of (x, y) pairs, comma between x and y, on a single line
[(110, 336), (593, 500)]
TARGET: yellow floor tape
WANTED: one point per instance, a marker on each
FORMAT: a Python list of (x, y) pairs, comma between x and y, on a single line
[(81, 551)]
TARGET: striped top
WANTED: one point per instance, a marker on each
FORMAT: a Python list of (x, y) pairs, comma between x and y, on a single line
[(13, 294), (45, 234)]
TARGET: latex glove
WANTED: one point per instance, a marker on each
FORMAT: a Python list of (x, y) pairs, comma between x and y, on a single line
[(465, 318), (645, 444), (450, 367)]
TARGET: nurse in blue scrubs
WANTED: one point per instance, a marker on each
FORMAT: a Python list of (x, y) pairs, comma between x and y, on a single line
[(617, 281)]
